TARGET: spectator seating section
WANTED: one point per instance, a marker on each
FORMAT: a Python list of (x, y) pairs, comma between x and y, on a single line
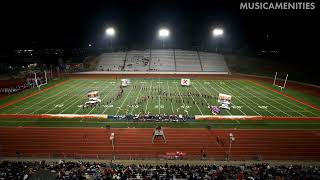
[(162, 60), (111, 61), (100, 171), (137, 61), (187, 61), (212, 62)]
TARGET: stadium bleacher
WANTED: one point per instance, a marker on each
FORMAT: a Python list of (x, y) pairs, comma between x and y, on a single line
[(162, 60), (99, 171)]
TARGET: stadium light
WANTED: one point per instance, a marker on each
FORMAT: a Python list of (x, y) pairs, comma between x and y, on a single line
[(90, 45), (164, 33), (217, 32), (110, 32)]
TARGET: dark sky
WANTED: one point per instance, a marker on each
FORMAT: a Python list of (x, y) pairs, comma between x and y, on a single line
[(76, 23)]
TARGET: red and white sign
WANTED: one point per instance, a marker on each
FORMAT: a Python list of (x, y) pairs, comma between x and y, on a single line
[(185, 82)]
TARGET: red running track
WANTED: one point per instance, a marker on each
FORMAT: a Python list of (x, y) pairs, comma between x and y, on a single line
[(135, 142)]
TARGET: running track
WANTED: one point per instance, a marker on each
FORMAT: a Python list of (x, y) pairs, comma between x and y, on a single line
[(135, 142)]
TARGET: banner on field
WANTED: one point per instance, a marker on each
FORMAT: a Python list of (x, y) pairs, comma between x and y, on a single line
[(185, 82), (125, 82)]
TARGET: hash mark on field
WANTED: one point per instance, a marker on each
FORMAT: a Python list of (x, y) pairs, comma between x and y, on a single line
[(67, 89), (282, 98), (73, 102)]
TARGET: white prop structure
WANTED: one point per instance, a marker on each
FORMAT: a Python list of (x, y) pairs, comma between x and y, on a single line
[(38, 81), (185, 82), (125, 82), (275, 81)]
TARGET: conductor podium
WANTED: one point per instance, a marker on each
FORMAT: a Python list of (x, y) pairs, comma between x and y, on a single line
[(158, 133)]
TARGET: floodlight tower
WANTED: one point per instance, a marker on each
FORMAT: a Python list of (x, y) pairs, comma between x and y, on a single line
[(110, 32), (231, 139), (217, 34), (164, 34)]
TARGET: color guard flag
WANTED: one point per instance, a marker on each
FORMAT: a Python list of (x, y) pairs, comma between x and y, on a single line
[(185, 82)]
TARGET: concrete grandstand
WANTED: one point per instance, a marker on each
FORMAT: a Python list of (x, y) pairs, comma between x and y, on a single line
[(162, 60)]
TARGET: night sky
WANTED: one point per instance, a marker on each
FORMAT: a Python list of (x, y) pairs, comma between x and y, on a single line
[(78, 23)]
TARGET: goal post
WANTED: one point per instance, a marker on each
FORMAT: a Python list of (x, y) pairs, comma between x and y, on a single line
[(284, 83)]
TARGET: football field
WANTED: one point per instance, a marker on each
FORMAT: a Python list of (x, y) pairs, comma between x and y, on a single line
[(161, 96)]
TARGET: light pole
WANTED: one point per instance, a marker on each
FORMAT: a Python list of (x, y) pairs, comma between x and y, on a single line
[(163, 33), (217, 34), (110, 32), (231, 139)]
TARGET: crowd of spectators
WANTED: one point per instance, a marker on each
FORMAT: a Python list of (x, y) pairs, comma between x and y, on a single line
[(100, 171)]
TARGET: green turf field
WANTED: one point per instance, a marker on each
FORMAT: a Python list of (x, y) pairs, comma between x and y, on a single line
[(166, 96)]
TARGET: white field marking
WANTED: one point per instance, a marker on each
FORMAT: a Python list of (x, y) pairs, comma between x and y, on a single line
[(82, 91), (159, 94), (181, 98), (108, 106), (44, 99), (124, 101), (160, 82), (146, 110), (242, 101), (266, 101), (112, 82), (42, 95), (101, 100), (157, 106), (195, 101), (114, 87), (77, 100), (236, 107), (282, 98), (174, 82), (67, 100), (201, 93), (58, 105), (210, 93), (263, 107), (233, 104), (136, 99), (63, 102), (26, 103), (143, 82), (169, 97), (276, 102), (104, 89), (206, 82), (230, 87)]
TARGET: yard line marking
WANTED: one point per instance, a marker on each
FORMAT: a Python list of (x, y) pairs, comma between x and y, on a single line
[(274, 107), (149, 96), (211, 93), (52, 102), (288, 96), (169, 97), (33, 94), (67, 89), (77, 100), (83, 85), (114, 87), (238, 87), (124, 100), (258, 92), (195, 101), (236, 98), (181, 99), (101, 99), (292, 98), (136, 99)]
